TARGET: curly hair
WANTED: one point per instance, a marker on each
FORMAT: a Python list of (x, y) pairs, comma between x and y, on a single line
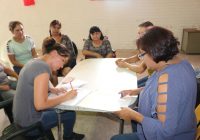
[(159, 43)]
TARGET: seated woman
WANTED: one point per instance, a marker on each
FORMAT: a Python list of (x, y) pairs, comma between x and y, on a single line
[(31, 102), (96, 46), (128, 62), (55, 33), (167, 102), (7, 88), (20, 48)]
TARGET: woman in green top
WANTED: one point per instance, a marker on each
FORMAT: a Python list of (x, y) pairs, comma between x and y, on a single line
[(20, 48)]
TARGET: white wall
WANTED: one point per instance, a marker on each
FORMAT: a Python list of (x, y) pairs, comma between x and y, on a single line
[(118, 19)]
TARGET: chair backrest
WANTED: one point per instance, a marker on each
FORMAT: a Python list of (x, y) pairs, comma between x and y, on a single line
[(75, 49), (4, 56), (197, 112), (15, 132)]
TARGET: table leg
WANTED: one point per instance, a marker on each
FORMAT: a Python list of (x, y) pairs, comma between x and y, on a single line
[(121, 122)]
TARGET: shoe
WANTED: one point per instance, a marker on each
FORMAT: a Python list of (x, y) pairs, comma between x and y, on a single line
[(75, 136)]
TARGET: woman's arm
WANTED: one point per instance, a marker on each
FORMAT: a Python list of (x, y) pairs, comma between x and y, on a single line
[(109, 55), (10, 72), (109, 50), (136, 68), (91, 53), (132, 59), (41, 99), (128, 114), (4, 87), (131, 92), (14, 61), (34, 53)]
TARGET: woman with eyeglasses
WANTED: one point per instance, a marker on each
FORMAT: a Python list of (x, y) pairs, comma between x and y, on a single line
[(167, 102), (96, 46), (55, 33), (21, 48), (32, 103)]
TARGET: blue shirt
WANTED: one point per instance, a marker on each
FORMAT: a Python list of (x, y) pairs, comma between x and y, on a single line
[(180, 123)]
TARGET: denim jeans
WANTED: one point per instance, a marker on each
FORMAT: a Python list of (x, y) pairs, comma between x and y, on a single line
[(17, 69), (141, 83), (5, 95), (131, 136), (49, 120)]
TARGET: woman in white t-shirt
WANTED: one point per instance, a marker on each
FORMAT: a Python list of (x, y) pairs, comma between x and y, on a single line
[(20, 48)]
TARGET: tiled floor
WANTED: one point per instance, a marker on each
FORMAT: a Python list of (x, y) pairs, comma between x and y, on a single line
[(98, 126)]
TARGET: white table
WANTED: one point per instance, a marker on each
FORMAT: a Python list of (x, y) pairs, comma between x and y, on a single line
[(105, 80), (103, 77)]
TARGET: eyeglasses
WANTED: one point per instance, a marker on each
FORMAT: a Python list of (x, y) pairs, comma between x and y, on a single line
[(141, 55)]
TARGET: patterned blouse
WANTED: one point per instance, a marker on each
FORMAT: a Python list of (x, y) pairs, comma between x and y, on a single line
[(103, 50)]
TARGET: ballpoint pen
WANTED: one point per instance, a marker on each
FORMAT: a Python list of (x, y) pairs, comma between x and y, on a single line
[(71, 85)]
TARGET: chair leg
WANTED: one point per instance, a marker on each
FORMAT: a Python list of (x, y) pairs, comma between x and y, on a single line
[(121, 127)]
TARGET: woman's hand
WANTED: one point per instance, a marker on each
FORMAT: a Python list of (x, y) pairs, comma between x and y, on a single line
[(130, 92), (125, 93), (98, 55), (128, 114), (71, 94), (118, 60), (122, 64), (125, 113)]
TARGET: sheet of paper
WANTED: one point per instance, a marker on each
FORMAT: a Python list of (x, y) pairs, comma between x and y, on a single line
[(76, 83), (106, 101), (82, 93)]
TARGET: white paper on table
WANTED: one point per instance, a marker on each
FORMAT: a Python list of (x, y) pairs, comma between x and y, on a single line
[(76, 83), (106, 101), (73, 103), (82, 93)]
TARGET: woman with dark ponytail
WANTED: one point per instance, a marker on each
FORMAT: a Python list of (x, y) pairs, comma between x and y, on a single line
[(32, 92)]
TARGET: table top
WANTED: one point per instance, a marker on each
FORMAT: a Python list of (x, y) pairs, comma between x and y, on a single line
[(104, 79), (103, 73)]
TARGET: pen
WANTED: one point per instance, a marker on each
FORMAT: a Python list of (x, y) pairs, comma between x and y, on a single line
[(71, 85)]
